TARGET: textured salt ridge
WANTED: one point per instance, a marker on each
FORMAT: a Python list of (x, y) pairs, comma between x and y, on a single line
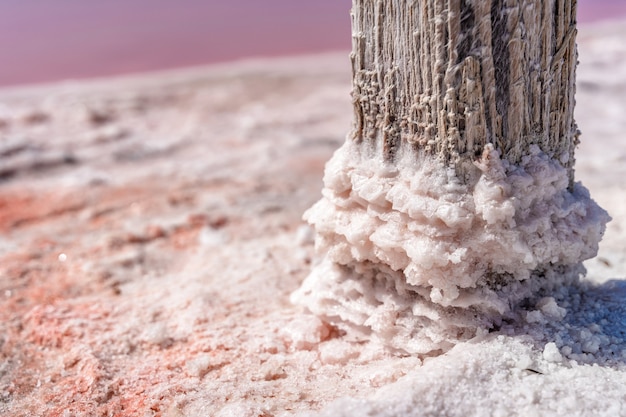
[(420, 260)]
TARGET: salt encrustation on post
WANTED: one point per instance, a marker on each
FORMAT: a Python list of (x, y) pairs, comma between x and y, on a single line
[(453, 198)]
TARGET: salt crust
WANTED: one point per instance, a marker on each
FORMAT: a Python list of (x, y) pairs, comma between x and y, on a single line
[(418, 259), (497, 376), (571, 362)]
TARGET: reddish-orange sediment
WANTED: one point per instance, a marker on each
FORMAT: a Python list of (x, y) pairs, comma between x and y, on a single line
[(59, 318), (151, 276)]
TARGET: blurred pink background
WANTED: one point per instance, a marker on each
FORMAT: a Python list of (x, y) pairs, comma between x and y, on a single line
[(52, 40)]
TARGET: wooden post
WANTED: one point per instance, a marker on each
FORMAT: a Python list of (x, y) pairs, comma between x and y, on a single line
[(449, 76), (453, 198)]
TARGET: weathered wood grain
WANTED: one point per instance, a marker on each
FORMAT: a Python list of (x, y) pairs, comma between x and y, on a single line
[(449, 76)]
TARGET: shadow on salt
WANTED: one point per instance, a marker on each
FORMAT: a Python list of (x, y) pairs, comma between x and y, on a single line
[(586, 322)]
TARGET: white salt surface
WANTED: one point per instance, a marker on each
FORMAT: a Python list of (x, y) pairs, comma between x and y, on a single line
[(568, 358)]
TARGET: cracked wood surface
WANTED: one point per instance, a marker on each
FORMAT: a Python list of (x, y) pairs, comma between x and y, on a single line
[(449, 76)]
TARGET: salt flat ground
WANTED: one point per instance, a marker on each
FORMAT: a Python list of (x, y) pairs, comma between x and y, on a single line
[(151, 233)]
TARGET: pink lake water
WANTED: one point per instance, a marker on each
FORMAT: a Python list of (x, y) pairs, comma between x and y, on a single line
[(53, 40)]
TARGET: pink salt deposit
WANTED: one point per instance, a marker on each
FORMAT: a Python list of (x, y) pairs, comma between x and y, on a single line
[(420, 260)]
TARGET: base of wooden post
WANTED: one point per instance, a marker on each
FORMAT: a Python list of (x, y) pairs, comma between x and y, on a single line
[(422, 259)]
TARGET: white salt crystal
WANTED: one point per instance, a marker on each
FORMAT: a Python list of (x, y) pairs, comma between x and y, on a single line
[(535, 316), (550, 308), (199, 365), (337, 352), (305, 235), (211, 237), (305, 332), (551, 353)]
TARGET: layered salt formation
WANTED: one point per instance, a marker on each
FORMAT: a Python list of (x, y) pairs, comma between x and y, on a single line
[(418, 258)]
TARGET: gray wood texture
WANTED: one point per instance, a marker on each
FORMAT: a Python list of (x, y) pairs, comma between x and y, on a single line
[(445, 77)]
